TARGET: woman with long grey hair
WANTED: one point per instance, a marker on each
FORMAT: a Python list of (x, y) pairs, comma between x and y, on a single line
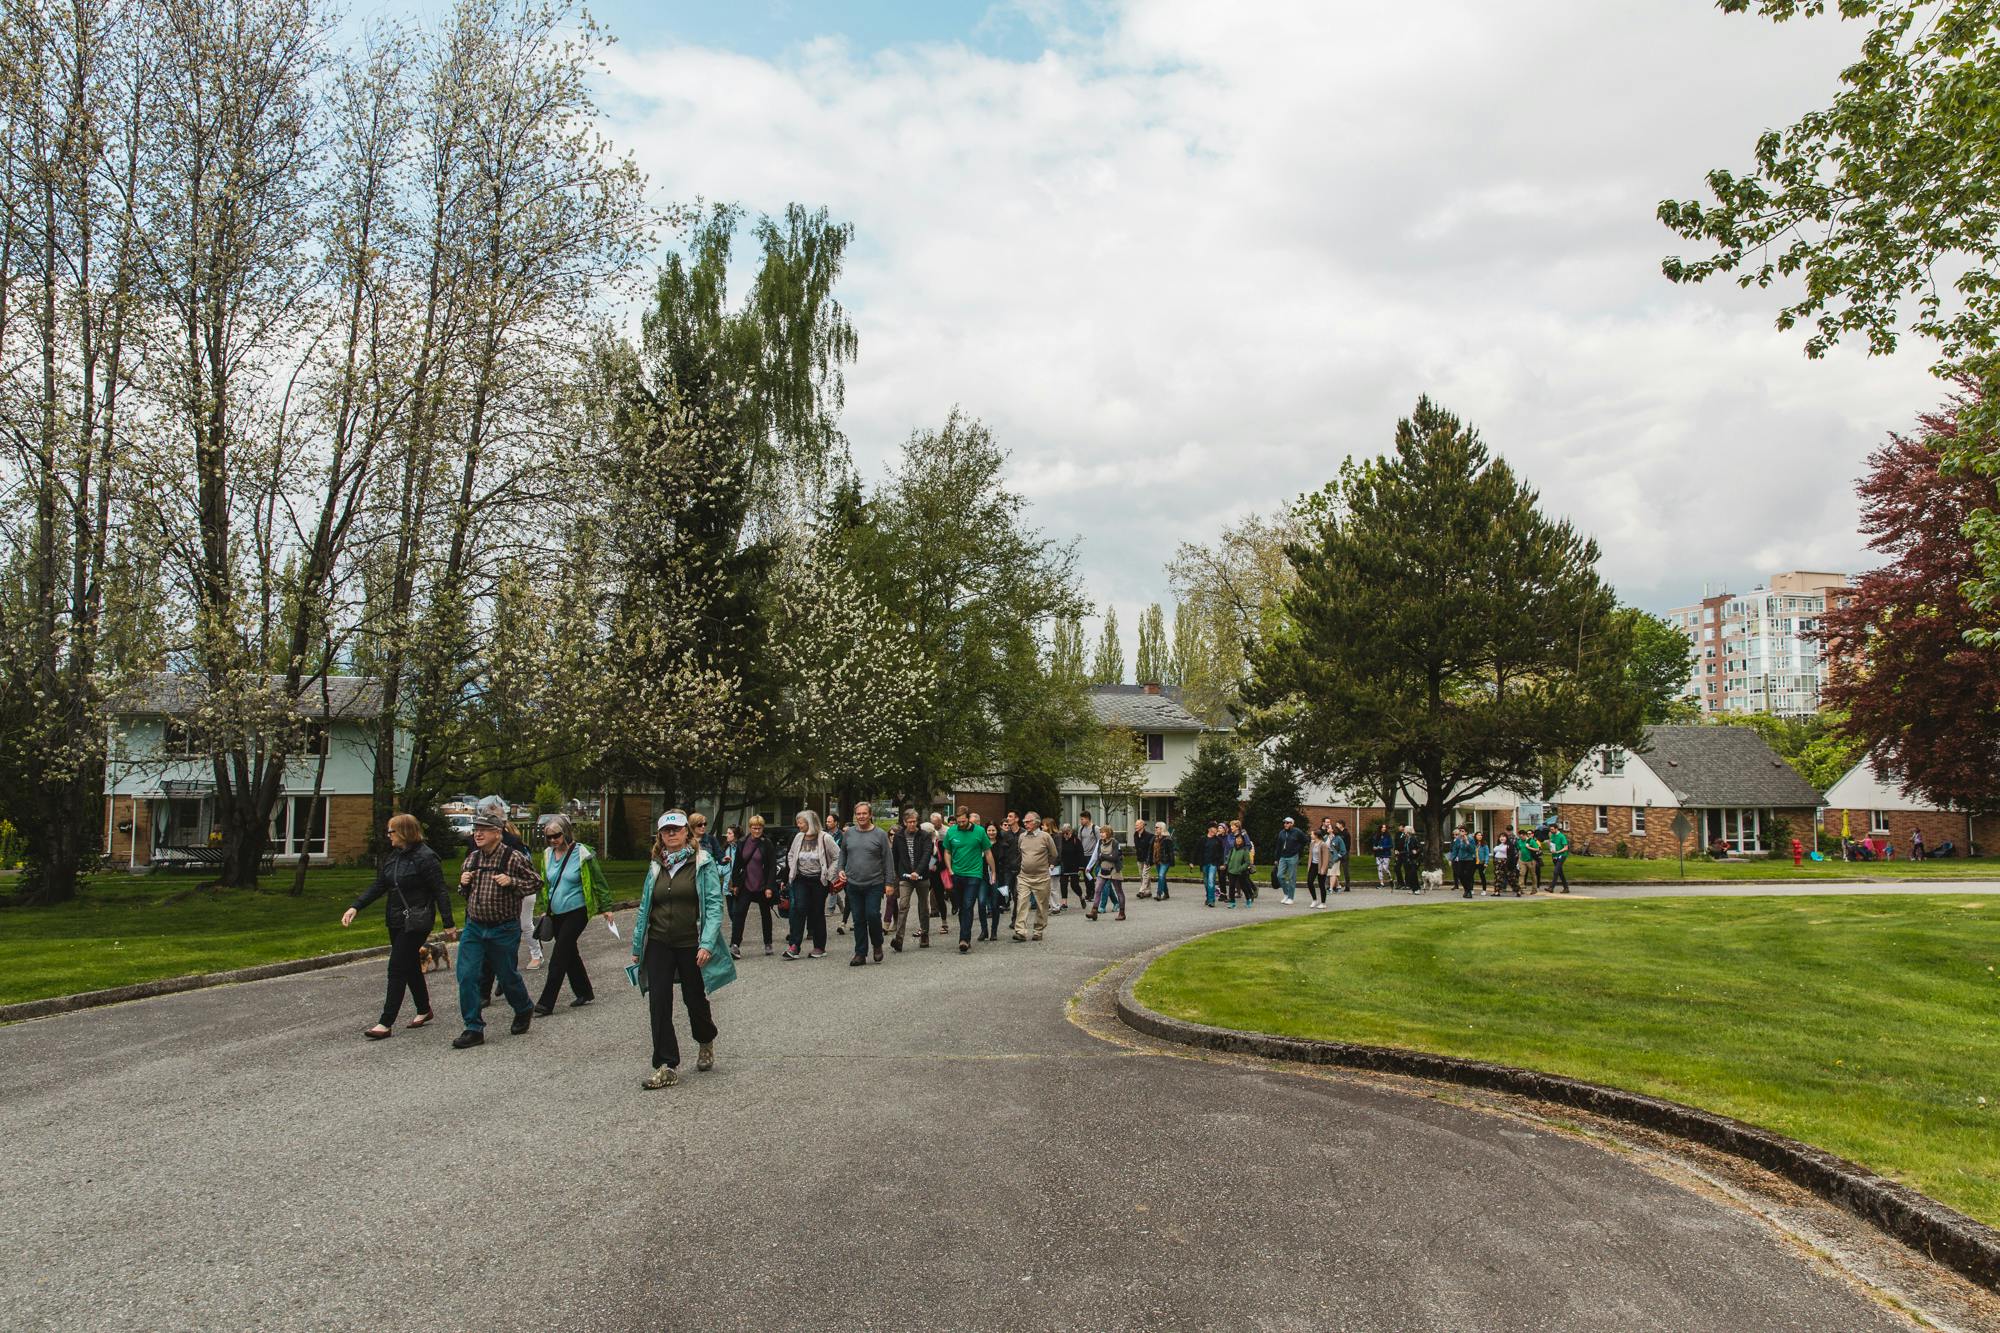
[(815, 863)]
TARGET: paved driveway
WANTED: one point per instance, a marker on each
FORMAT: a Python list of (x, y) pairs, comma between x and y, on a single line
[(926, 1144)]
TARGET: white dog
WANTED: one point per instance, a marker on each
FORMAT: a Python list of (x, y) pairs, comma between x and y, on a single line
[(1431, 879)]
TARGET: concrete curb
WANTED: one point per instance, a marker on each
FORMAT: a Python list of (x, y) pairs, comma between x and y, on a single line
[(147, 990), (1925, 1225)]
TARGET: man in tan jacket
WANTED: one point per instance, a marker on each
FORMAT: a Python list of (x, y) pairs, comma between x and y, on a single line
[(1040, 860)]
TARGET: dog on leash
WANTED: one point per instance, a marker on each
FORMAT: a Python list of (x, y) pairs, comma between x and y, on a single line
[(434, 954), (1431, 879)]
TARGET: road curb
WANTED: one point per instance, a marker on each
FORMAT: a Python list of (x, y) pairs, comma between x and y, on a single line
[(1966, 1246), (149, 990)]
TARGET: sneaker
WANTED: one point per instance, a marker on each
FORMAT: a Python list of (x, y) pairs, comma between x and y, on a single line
[(706, 1060), (923, 941), (735, 951), (817, 953), (662, 1077), (896, 944), (1287, 902), (767, 951), (468, 1038), (790, 953), (534, 962), (521, 1022)]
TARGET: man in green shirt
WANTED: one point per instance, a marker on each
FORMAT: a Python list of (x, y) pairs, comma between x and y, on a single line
[(1529, 849), (1558, 853), (970, 852)]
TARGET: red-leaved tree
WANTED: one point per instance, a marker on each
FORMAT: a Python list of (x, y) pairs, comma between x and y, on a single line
[(1925, 701)]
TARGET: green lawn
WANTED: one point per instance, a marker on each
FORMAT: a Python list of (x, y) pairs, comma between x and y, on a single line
[(126, 928), (1865, 1025), (1620, 870)]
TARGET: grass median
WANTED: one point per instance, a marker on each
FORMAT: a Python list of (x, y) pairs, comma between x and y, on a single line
[(1864, 1025), (1623, 870), (124, 928)]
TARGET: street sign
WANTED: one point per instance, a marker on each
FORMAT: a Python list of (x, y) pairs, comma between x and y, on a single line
[(1682, 827)]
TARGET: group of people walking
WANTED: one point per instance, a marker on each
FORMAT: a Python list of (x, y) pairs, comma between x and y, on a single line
[(868, 880)]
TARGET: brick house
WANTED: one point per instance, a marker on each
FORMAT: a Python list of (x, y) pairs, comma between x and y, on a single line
[(1733, 787), (1875, 807), (159, 779), (1491, 813)]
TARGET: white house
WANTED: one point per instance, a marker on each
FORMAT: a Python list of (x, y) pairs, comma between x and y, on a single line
[(159, 779), (1871, 806), (1736, 792)]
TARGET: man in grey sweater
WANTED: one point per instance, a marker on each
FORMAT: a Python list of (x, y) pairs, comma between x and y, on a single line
[(865, 859)]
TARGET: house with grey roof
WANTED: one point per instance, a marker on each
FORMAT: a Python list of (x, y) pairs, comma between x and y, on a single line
[(1734, 789), (1167, 736), (159, 772)]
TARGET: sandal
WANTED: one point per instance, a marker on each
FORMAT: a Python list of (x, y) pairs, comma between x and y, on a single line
[(419, 1020)]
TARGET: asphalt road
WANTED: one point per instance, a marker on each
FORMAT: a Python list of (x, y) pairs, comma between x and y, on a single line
[(926, 1144)]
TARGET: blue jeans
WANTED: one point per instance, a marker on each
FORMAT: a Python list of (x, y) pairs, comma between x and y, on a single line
[(1208, 883), (989, 909), (1160, 890), (1288, 876), (966, 891), (865, 905), (494, 946)]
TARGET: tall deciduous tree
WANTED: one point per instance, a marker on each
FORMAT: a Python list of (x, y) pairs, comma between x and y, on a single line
[(1660, 667), (1184, 658), (1066, 648), (1881, 211), (1234, 590), (1154, 659), (1923, 700), (1454, 690), (1107, 664)]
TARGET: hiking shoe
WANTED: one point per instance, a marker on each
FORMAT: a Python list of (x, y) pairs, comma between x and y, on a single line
[(897, 945), (735, 951), (878, 953), (663, 1077), (468, 1038), (706, 1060), (521, 1022), (859, 960)]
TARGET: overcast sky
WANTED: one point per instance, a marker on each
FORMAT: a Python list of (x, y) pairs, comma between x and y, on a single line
[(1183, 257)]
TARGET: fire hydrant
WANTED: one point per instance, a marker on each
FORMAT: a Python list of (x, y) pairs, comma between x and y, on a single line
[(1798, 853)]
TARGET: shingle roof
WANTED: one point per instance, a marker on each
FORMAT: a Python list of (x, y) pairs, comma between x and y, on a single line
[(168, 694), (1721, 766), (1130, 706)]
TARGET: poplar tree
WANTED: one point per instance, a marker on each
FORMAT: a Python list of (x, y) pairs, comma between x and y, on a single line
[(1107, 666), (1153, 656)]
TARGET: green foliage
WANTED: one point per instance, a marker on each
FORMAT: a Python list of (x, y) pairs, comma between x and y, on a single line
[(1273, 795), (1154, 658), (1880, 210), (1212, 788), (1491, 651), (1188, 648), (1107, 666), (1660, 666), (548, 798), (1231, 593)]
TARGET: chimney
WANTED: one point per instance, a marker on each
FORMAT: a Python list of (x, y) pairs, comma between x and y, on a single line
[(1150, 686)]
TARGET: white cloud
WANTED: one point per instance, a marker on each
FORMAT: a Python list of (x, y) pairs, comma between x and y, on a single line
[(1184, 267)]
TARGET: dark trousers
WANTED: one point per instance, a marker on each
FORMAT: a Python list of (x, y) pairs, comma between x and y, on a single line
[(808, 910), (940, 900), (1558, 877), (866, 903), (966, 889), (1072, 882), (566, 959), (739, 912), (664, 966), (1462, 872), (405, 974)]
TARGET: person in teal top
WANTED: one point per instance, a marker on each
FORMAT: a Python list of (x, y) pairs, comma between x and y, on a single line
[(677, 938), (573, 891), (970, 853)]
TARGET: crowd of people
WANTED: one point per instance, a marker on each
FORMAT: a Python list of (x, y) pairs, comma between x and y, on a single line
[(869, 882)]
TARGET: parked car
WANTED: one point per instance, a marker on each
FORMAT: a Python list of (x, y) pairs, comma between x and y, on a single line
[(461, 826)]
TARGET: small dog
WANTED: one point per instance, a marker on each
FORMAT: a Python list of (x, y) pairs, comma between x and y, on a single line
[(434, 955), (1431, 879)]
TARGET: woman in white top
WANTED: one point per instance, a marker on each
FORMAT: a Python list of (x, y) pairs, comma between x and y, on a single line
[(815, 867)]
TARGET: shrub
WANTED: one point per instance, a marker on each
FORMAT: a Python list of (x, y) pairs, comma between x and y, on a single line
[(1623, 852)]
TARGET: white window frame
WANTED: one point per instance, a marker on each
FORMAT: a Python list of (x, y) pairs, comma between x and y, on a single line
[(1611, 761), (284, 840), (1604, 819), (1639, 820), (1878, 821)]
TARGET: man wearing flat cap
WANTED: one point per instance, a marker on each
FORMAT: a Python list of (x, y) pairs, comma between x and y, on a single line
[(495, 878)]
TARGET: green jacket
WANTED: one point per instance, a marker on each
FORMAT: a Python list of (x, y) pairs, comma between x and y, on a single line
[(596, 892), (720, 969)]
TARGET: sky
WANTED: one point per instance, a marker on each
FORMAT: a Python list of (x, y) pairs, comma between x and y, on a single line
[(1185, 257)]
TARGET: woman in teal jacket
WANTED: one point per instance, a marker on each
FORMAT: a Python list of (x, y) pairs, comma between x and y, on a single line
[(573, 891), (678, 938)]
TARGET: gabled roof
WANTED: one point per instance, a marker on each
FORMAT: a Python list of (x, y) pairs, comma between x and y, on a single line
[(167, 694), (1132, 707), (1719, 766)]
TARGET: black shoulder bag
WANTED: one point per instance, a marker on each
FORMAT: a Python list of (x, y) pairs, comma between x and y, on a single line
[(545, 924)]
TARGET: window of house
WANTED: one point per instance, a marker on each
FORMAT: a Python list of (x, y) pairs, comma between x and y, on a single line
[(314, 740), (1878, 821), (1639, 820), (179, 741), (298, 824), (1604, 819), (1156, 746), (1611, 761), (1738, 830)]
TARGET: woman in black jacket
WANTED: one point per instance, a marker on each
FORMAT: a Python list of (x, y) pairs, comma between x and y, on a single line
[(413, 882), (1072, 869), (753, 882)]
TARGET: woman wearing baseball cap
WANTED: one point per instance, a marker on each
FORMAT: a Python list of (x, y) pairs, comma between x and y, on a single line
[(678, 938)]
